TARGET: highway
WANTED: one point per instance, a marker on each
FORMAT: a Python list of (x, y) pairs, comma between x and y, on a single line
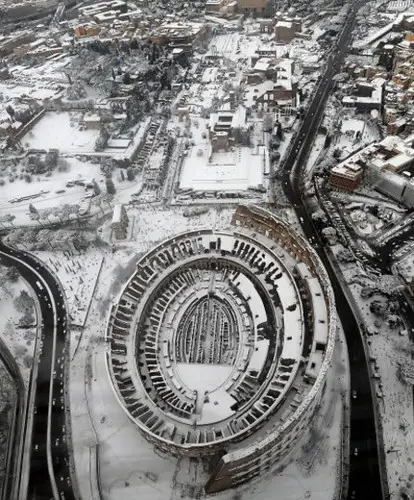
[(364, 472), (49, 476)]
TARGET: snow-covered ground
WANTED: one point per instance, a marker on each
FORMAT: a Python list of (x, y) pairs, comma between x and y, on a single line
[(354, 133), (235, 46), (78, 274), (20, 341), (154, 223), (47, 187), (315, 153), (76, 170), (61, 131), (235, 170), (405, 267), (129, 466)]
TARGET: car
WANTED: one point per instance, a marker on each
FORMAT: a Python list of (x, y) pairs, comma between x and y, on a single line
[(356, 452), (354, 394)]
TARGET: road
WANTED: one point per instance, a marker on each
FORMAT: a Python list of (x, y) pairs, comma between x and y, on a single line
[(364, 473), (50, 387)]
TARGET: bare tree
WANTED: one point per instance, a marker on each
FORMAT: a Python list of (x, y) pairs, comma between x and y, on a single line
[(9, 218)]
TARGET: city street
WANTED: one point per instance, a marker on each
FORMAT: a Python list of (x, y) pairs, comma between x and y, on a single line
[(49, 422), (364, 473)]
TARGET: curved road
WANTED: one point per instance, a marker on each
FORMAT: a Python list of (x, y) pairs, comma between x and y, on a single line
[(50, 385), (364, 473), (13, 461)]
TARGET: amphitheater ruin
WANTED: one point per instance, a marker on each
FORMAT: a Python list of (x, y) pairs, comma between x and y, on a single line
[(220, 344)]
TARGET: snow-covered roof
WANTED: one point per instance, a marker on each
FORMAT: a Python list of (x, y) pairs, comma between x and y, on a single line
[(283, 24), (117, 215), (262, 64)]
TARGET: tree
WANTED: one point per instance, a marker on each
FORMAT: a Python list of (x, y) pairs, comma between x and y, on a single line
[(98, 202), (96, 188), (9, 218), (51, 158), (110, 186), (337, 153), (11, 112), (65, 212), (12, 274), (267, 122), (36, 216), (45, 214), (32, 209), (23, 302), (107, 198), (130, 174)]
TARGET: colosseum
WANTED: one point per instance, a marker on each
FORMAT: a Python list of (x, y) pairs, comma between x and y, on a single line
[(220, 344)]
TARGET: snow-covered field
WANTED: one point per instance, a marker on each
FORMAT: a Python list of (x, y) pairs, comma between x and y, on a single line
[(235, 170), (78, 274), (48, 186), (354, 134), (155, 223), (61, 131)]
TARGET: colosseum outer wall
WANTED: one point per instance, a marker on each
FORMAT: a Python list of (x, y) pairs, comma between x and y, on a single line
[(243, 465)]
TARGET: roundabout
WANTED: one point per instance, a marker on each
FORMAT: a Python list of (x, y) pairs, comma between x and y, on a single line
[(220, 342)]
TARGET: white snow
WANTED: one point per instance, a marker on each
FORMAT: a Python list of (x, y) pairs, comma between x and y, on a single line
[(129, 465), (61, 131), (236, 170), (78, 275), (20, 341), (202, 377)]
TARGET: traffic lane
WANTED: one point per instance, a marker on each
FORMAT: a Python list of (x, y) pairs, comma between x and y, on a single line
[(60, 445), (41, 411), (362, 415)]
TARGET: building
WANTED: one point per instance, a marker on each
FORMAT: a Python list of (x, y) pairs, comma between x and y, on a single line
[(346, 176), (119, 223), (367, 95), (103, 11), (284, 31), (286, 26), (180, 35), (85, 30), (227, 128), (388, 166), (92, 122), (252, 6), (239, 399), (279, 94), (215, 6)]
